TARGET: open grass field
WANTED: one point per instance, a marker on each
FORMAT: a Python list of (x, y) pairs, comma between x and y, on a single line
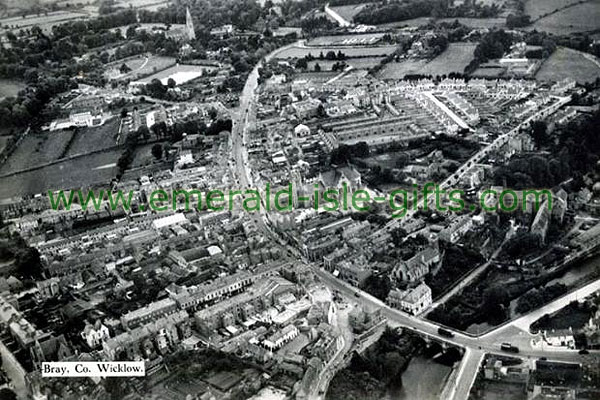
[(140, 67), (538, 8), (456, 57), (477, 22), (146, 4), (346, 40), (180, 73), (95, 169), (298, 52), (10, 88), (35, 149), (45, 22), (489, 72), (96, 138), (398, 70), (568, 63), (470, 22), (579, 18), (348, 12)]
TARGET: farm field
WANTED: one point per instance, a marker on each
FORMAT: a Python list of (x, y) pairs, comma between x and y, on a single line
[(470, 22), (477, 22), (537, 8), (348, 12), (94, 169), (454, 59), (397, 70), (488, 72), (298, 52), (35, 149), (346, 40), (141, 66), (568, 63), (96, 138), (45, 22), (146, 4), (180, 73), (579, 18), (10, 88)]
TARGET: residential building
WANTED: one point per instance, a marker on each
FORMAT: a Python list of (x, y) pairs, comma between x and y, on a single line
[(149, 312), (412, 301)]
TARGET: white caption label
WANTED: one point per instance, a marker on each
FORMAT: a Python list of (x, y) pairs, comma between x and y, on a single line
[(93, 368)]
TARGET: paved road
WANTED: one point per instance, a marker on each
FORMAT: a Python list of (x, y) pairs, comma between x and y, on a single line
[(342, 323), (487, 343), (467, 372)]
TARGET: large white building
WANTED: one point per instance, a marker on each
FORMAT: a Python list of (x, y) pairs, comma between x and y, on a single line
[(412, 301)]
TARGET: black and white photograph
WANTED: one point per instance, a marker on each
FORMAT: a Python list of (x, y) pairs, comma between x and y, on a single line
[(300, 200)]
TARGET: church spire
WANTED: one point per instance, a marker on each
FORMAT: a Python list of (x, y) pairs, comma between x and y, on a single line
[(189, 25)]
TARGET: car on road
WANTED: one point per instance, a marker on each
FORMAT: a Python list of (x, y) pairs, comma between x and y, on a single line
[(584, 352), (445, 332), (509, 348)]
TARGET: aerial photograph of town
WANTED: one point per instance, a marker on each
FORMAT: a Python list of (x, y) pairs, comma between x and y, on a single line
[(300, 199)]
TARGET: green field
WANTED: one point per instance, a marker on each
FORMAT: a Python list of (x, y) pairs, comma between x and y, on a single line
[(142, 66), (45, 22), (348, 12), (36, 149), (568, 63), (537, 8), (95, 138), (94, 169), (579, 18), (10, 88), (470, 22), (180, 73), (456, 57)]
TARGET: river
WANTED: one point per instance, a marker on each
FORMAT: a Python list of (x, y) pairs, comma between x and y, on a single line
[(424, 379)]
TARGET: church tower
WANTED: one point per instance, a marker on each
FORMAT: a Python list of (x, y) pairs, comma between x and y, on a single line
[(189, 25)]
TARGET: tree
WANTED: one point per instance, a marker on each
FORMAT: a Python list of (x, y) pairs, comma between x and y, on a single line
[(398, 236), (317, 67), (7, 394), (539, 133), (301, 63), (124, 113), (321, 111), (171, 83), (330, 55), (157, 151), (142, 132)]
